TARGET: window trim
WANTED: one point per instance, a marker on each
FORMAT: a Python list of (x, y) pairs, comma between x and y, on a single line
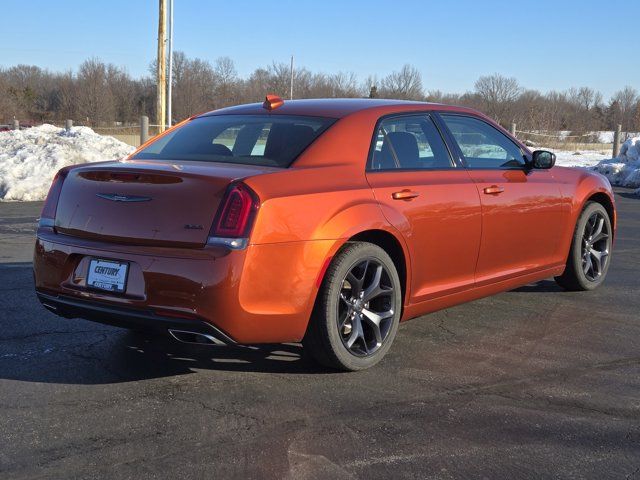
[(428, 114), (458, 150)]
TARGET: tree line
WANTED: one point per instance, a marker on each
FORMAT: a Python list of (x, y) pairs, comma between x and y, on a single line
[(103, 94)]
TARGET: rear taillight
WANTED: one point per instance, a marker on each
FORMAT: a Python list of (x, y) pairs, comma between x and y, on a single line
[(235, 216), (48, 215)]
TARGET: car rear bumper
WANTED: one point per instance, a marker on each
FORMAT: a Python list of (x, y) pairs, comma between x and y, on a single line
[(142, 319), (262, 294)]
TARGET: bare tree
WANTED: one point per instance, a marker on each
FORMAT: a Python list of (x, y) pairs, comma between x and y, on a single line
[(195, 82), (256, 85), (7, 106), (498, 93), (626, 100), (403, 84), (24, 86), (587, 98), (95, 98), (226, 88), (345, 84), (66, 94), (226, 70), (438, 96)]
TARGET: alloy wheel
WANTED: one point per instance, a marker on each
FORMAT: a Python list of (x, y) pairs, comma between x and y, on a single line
[(596, 245), (366, 307)]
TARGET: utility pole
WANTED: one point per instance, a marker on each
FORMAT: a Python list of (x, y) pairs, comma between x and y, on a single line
[(170, 83), (291, 87), (162, 65)]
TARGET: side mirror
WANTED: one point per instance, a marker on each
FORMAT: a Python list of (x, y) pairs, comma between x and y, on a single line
[(543, 159)]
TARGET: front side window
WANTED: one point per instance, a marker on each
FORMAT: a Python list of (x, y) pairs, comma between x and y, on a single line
[(267, 140), (482, 145), (409, 143)]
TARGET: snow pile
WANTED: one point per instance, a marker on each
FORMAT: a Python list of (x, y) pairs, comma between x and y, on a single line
[(30, 158), (580, 158), (623, 170), (607, 136)]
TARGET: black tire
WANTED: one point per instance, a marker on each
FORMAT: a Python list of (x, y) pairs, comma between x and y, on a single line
[(575, 278), (337, 304)]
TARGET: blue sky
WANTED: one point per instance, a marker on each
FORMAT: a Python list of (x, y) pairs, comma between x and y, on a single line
[(544, 44)]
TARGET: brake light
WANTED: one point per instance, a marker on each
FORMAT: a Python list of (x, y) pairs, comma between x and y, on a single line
[(48, 215), (235, 216)]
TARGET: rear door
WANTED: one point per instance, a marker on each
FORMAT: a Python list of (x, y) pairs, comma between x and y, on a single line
[(430, 199), (522, 212)]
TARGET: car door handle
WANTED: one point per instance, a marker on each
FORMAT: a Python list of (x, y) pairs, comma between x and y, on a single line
[(404, 195), (493, 190)]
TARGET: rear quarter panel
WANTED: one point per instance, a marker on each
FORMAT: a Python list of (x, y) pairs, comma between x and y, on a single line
[(297, 232)]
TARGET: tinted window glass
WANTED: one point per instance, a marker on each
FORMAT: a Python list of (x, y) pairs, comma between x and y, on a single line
[(482, 145), (268, 140), (411, 142)]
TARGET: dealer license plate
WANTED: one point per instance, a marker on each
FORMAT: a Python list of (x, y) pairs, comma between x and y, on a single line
[(107, 275)]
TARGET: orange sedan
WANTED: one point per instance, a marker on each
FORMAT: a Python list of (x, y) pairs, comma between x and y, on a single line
[(322, 221)]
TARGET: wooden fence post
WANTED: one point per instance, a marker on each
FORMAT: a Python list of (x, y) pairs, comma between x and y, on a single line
[(144, 129), (513, 129), (616, 141)]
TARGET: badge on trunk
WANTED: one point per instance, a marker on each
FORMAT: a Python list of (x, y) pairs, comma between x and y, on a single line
[(123, 198)]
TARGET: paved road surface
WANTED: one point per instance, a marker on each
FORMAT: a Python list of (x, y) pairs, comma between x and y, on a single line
[(531, 383)]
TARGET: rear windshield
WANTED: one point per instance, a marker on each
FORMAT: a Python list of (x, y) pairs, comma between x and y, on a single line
[(267, 140)]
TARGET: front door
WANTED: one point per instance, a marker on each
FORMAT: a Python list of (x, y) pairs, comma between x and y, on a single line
[(522, 213)]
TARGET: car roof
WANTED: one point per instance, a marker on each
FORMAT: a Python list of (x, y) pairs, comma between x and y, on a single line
[(334, 107)]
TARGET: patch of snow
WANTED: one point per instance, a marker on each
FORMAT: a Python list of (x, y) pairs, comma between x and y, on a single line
[(599, 136), (607, 136), (30, 158), (580, 158), (623, 170)]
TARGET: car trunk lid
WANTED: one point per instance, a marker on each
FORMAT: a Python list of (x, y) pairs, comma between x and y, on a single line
[(161, 203)]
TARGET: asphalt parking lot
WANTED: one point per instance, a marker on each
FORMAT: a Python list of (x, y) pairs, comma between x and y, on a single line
[(532, 383)]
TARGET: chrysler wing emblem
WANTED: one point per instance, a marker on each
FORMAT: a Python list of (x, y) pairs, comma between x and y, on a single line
[(122, 198)]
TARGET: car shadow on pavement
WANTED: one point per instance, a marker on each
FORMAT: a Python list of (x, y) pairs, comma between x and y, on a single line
[(103, 355), (266, 358), (548, 286)]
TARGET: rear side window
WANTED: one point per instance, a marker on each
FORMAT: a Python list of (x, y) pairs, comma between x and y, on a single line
[(409, 142), (266, 140), (482, 145)]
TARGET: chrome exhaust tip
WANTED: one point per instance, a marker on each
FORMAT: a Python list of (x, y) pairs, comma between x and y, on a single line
[(53, 308), (198, 338)]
